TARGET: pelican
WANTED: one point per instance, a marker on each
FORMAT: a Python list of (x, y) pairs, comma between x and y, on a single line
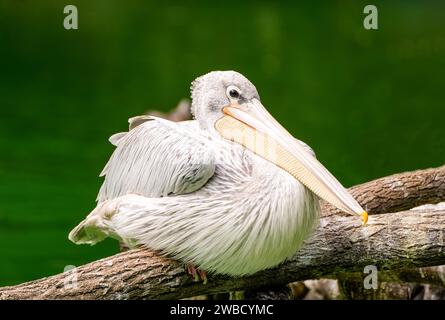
[(230, 192)]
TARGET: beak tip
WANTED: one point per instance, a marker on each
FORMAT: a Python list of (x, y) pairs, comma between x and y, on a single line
[(364, 216)]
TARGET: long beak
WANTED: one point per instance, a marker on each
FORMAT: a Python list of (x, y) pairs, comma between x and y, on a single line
[(253, 127)]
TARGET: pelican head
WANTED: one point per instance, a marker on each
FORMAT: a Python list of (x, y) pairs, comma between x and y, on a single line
[(228, 104)]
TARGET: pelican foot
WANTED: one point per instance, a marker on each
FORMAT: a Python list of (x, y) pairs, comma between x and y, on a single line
[(196, 273)]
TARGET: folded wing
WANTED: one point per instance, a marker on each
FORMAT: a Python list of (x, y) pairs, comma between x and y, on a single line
[(157, 158)]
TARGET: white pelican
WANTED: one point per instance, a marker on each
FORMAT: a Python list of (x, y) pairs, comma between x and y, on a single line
[(231, 192)]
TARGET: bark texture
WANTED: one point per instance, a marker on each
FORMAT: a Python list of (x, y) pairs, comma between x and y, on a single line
[(398, 192), (400, 240)]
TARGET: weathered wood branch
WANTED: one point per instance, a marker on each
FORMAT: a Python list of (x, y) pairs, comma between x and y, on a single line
[(434, 275), (341, 244), (398, 192), (413, 284)]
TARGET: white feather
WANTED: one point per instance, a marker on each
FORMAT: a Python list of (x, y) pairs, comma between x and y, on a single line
[(158, 158), (250, 216), (182, 189)]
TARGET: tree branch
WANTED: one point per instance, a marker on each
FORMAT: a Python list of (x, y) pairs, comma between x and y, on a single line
[(397, 192), (341, 244)]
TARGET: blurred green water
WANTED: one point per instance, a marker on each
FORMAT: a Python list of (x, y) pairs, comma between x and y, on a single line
[(370, 103)]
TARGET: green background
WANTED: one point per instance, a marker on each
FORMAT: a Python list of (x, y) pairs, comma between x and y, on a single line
[(370, 103)]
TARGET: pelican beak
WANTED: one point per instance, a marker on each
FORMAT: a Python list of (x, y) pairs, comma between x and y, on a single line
[(250, 125)]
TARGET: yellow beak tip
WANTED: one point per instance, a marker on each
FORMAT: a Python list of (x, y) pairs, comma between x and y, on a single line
[(364, 216)]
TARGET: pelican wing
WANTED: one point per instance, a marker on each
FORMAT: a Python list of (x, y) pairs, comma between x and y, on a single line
[(157, 158)]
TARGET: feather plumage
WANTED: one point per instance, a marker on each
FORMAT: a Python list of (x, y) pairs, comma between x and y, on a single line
[(157, 158), (184, 190)]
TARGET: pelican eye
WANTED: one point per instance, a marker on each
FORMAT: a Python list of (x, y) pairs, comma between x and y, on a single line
[(233, 92)]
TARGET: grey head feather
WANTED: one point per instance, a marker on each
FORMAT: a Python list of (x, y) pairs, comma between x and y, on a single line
[(208, 93)]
